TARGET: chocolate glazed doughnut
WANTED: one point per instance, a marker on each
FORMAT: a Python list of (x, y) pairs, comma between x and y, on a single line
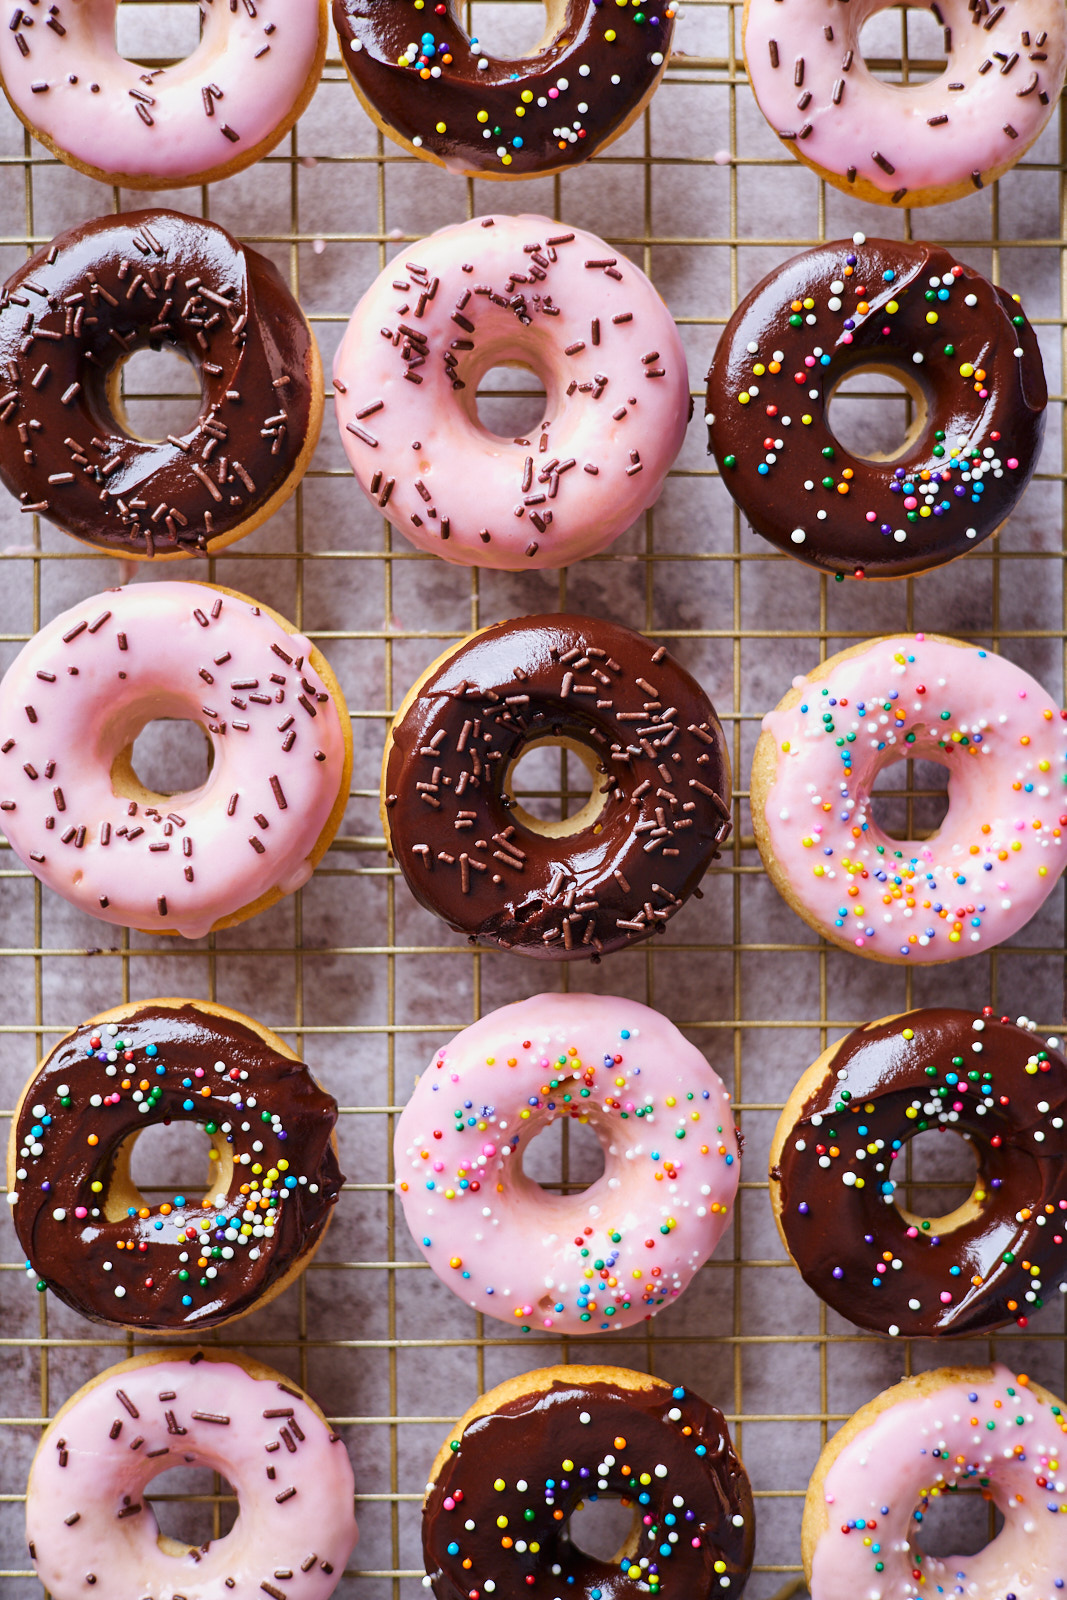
[(535, 1447), (490, 117), (183, 1265), (1000, 1086), (961, 347), (609, 875), (78, 309)]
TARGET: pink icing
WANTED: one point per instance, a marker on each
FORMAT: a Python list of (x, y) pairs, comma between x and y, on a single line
[(616, 411), (964, 1434), (93, 679), (999, 852), (291, 1474), (156, 124), (892, 120), (580, 1263)]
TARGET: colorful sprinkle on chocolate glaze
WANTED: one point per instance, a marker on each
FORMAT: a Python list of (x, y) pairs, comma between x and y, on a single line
[(434, 88), (839, 1175), (183, 1263), (963, 345), (497, 1518)]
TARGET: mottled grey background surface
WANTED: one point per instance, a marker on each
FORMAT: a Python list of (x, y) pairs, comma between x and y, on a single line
[(366, 984)]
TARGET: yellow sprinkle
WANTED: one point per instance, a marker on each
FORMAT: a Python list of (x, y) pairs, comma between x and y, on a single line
[(610, 35), (520, 111), (483, 116), (786, 747), (892, 306), (966, 371), (806, 420), (931, 317), (744, 397), (527, 96)]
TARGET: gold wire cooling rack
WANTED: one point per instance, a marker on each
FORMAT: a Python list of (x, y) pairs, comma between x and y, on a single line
[(363, 984)]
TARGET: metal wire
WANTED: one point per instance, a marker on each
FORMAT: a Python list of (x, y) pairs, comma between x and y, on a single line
[(740, 975)]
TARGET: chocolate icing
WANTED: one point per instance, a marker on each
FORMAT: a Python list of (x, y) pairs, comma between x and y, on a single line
[(578, 66), (612, 882), (809, 473), (529, 1439), (69, 1252), (1014, 1096), (152, 279)]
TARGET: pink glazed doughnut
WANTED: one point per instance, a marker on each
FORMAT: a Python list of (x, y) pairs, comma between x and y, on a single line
[(90, 1531), (251, 76), (78, 694), (524, 292), (929, 142), (1000, 850), (584, 1263), (958, 1427)]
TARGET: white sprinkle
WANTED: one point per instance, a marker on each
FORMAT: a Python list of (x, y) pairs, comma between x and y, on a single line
[(583, 71), (674, 1415), (417, 142), (918, 358), (63, 1089), (356, 45), (859, 238), (798, 536), (120, 1293), (483, 65), (914, 1305), (970, 299), (584, 1418), (614, 78), (893, 1330), (899, 535), (656, 58), (660, 1471), (972, 533)]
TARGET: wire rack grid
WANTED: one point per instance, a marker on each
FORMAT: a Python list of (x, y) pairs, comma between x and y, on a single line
[(361, 982)]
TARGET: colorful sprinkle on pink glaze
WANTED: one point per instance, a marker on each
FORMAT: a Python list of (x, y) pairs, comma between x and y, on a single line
[(999, 852), (991, 1434), (623, 1248)]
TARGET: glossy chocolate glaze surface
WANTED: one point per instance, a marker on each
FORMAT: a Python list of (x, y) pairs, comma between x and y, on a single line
[(909, 310), (140, 1270), (95, 295), (660, 752), (694, 1508), (882, 1087), (554, 108)]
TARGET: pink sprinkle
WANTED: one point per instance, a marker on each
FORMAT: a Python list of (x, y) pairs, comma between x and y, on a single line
[(199, 1073), (920, 637), (438, 1166), (860, 942), (526, 1310), (946, 1298), (913, 1233), (548, 1322), (846, 338), (80, 1211), (450, 1504), (553, 94), (1013, 462), (871, 517), (488, 1149), (910, 502), (809, 361), (696, 1544)]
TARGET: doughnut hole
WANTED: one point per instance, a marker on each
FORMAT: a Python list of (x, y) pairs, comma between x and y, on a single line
[(566, 1157), (957, 1524), (171, 756), (604, 1528), (181, 1158), (509, 31), (903, 45), (558, 792), (510, 402), (191, 1505), (941, 1181), (876, 413), (911, 800), (153, 393), (159, 34)]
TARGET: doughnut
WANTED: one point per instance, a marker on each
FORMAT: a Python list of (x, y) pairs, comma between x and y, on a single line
[(183, 1265), (932, 141), (618, 869), (956, 1427), (242, 89), (76, 813), (962, 348), (850, 1118), (585, 1263), (92, 1530), (77, 310), (440, 97), (472, 297), (997, 855), (535, 1448)]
